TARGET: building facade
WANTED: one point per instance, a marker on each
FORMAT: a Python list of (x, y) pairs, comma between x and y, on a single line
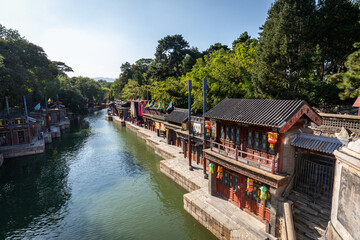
[(250, 153)]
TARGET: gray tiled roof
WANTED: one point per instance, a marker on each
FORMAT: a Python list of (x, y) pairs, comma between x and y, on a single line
[(317, 143), (272, 113), (178, 115)]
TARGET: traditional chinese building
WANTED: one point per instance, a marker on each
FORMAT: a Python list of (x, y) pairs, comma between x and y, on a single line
[(57, 113), (154, 120), (250, 151), (16, 129), (177, 120)]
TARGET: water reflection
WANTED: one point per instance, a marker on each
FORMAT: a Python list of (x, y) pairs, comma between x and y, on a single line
[(99, 182), (36, 186)]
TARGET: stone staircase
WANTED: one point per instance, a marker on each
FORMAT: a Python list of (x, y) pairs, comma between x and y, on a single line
[(310, 219)]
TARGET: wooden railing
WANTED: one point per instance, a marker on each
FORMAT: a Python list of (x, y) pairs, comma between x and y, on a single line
[(266, 164), (339, 120)]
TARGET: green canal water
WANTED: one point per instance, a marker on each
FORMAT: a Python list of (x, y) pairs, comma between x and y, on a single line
[(98, 182)]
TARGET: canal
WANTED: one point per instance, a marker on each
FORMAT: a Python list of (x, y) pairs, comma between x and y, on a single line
[(98, 181)]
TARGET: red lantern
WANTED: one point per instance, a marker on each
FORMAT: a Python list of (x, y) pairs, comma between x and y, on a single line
[(272, 138), (208, 125)]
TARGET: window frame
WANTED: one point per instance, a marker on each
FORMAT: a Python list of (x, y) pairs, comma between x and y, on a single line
[(237, 135), (249, 138)]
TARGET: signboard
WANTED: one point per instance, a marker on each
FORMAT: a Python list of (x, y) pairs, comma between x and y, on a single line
[(197, 128), (213, 129)]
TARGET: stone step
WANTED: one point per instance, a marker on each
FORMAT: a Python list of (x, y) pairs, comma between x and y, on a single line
[(300, 236), (312, 211), (308, 201), (301, 229), (314, 219), (311, 225), (307, 209)]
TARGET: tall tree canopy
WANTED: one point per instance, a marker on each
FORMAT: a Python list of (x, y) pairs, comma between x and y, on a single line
[(169, 55), (285, 52), (349, 81)]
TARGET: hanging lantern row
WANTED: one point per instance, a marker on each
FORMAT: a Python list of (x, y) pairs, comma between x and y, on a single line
[(220, 173), (263, 191), (272, 138), (211, 168)]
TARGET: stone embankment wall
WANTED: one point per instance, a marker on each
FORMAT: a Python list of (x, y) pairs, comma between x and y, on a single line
[(25, 151)]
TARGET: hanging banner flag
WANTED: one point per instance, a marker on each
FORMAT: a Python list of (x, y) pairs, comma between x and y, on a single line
[(162, 107), (37, 107), (169, 107)]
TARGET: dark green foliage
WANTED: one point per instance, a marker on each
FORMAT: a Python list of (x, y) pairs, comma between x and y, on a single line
[(284, 57), (190, 59), (73, 100), (215, 47), (350, 80), (243, 38), (25, 70), (338, 28), (301, 43), (169, 55)]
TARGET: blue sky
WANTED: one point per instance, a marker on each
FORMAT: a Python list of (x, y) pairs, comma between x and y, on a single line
[(95, 37)]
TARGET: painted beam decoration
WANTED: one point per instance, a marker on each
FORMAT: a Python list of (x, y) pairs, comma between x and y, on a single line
[(304, 110)]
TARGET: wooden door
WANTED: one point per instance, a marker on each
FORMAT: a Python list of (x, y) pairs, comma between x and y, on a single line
[(21, 136), (222, 185)]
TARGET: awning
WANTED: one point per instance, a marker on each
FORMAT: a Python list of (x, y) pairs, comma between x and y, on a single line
[(317, 143)]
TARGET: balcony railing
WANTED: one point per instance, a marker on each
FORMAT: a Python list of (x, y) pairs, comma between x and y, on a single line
[(254, 160)]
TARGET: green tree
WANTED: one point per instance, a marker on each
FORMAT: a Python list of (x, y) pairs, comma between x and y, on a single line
[(190, 59), (338, 28), (215, 47), (284, 57), (244, 37), (169, 90), (228, 74), (349, 82), (169, 55), (132, 90)]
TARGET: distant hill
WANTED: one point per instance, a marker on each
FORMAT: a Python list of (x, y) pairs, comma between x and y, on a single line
[(104, 78)]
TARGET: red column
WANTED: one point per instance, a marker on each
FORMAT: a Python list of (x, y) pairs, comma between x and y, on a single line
[(204, 160), (12, 136), (29, 134), (189, 150)]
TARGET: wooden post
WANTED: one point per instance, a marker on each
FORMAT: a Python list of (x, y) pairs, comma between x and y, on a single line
[(204, 111), (189, 108), (236, 153)]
